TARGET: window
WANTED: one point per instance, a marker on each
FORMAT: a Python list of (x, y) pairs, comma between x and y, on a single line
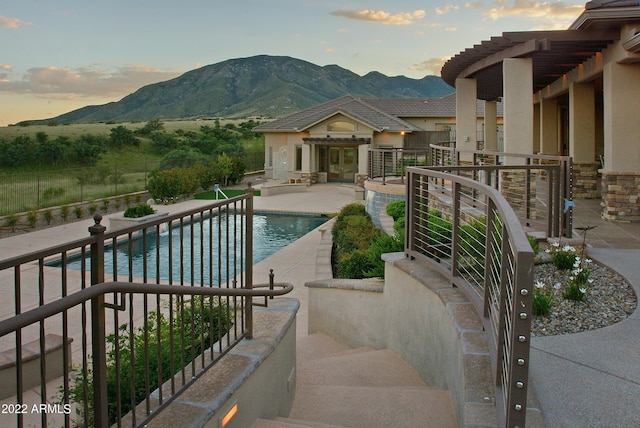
[(341, 126), (298, 158)]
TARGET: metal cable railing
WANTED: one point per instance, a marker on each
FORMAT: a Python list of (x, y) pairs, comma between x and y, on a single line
[(468, 231)]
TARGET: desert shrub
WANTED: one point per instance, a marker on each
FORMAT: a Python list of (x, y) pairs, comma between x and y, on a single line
[(77, 211), (32, 218), (168, 185), (64, 212), (47, 215), (11, 221), (535, 246), (562, 257)]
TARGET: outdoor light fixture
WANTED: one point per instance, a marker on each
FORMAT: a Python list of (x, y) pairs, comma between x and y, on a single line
[(229, 415)]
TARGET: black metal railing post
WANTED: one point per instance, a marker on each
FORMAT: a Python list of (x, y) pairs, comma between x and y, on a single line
[(98, 326), (249, 259)]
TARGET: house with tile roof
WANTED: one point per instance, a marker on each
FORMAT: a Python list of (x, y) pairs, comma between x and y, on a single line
[(330, 142), (573, 92)]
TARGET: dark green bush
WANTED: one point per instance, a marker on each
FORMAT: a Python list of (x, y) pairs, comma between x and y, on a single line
[(396, 209), (354, 265), (382, 244), (139, 210)]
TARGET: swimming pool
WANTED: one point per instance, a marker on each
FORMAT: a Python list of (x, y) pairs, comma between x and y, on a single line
[(210, 259)]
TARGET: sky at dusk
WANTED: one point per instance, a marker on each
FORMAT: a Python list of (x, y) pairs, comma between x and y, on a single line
[(57, 56)]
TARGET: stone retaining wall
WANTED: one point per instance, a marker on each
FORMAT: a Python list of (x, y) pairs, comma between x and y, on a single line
[(621, 196)]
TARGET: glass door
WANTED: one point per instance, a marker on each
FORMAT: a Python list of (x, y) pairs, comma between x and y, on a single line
[(343, 162)]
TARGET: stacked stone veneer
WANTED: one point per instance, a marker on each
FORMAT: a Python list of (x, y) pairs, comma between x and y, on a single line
[(513, 188), (585, 180), (621, 196)]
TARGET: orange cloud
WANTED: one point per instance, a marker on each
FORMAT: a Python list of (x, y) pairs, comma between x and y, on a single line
[(382, 17), (557, 14), (90, 81), (12, 22), (431, 66)]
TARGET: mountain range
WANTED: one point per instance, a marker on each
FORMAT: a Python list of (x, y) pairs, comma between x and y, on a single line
[(269, 86)]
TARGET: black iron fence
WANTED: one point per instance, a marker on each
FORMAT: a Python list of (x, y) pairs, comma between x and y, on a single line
[(101, 333), (468, 231)]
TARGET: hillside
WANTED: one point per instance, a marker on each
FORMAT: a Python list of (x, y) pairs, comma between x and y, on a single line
[(261, 85)]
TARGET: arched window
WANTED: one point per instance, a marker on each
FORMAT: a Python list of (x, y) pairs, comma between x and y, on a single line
[(341, 126)]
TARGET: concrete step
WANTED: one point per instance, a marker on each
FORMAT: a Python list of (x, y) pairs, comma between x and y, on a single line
[(289, 423), (318, 345), (374, 406), (371, 368)]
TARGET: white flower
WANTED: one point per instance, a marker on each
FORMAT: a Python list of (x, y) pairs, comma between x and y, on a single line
[(588, 260), (590, 280), (583, 290), (539, 284), (557, 286), (568, 248)]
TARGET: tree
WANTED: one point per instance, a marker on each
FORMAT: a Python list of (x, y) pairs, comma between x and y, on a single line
[(182, 158), (121, 137), (155, 125), (52, 151), (86, 150)]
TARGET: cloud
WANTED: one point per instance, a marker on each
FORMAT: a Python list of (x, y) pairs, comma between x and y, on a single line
[(473, 4), (84, 82), (556, 14), (446, 9), (6, 67), (380, 16), (12, 22), (431, 66)]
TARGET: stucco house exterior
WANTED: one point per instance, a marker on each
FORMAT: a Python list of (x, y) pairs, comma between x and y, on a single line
[(330, 142), (572, 92)]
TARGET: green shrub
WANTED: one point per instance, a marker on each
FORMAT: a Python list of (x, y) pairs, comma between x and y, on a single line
[(105, 205), (542, 303), (382, 244), (32, 218), (472, 244), (354, 265), (396, 209), (201, 322), (93, 208), (47, 215), (535, 246), (11, 221), (139, 210), (64, 212), (563, 258), (77, 211)]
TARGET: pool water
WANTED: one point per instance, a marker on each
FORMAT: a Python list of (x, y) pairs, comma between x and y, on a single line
[(271, 232)]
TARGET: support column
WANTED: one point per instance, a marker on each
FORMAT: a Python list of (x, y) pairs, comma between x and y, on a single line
[(466, 113), (621, 174), (517, 186), (549, 127), (582, 140), (518, 105), (491, 126)]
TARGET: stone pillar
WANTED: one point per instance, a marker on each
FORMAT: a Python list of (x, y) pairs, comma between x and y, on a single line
[(466, 113), (621, 174), (491, 126), (518, 105)]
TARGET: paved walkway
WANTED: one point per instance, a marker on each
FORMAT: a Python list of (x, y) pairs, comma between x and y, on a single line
[(592, 379), (587, 379)]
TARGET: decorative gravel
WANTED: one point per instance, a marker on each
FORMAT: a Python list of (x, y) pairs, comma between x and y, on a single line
[(609, 300)]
